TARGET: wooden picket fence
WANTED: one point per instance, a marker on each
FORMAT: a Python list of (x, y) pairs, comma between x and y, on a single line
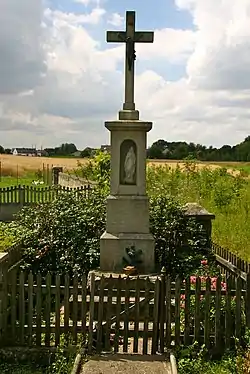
[(131, 314), (32, 194)]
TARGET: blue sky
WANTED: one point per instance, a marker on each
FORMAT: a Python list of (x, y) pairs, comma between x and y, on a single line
[(63, 81)]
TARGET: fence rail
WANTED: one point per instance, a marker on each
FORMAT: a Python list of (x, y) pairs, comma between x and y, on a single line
[(122, 314), (31, 195), (229, 263)]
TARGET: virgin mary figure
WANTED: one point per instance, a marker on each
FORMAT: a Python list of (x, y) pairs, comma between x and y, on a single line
[(129, 166)]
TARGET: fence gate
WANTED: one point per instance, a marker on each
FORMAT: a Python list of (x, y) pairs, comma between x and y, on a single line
[(124, 314)]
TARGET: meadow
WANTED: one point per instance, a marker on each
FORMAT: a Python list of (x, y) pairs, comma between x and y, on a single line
[(221, 193)]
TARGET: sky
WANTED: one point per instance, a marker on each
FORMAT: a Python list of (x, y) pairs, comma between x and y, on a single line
[(60, 80)]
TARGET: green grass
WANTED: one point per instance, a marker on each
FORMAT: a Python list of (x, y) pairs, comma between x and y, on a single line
[(9, 181), (220, 193)]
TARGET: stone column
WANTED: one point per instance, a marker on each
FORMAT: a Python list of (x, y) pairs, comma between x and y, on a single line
[(202, 216), (127, 221)]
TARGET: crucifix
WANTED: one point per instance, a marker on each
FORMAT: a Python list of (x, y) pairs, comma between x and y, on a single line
[(130, 37)]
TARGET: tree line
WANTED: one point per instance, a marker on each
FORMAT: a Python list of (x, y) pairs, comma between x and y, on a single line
[(162, 149)]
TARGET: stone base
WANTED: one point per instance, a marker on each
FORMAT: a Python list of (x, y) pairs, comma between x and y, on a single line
[(113, 246)]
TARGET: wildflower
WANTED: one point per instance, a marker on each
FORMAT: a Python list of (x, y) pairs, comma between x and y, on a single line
[(193, 279), (204, 262)]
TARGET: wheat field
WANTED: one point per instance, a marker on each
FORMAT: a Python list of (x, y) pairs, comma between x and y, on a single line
[(21, 165)]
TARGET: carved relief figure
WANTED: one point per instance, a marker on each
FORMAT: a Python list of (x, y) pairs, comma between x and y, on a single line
[(128, 162), (129, 166)]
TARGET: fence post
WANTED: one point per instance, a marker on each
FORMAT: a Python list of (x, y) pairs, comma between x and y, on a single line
[(162, 308), (21, 196), (248, 301), (3, 299)]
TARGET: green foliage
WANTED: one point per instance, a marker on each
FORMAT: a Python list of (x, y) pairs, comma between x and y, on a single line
[(222, 194), (63, 235), (7, 237), (180, 243), (192, 360), (97, 169)]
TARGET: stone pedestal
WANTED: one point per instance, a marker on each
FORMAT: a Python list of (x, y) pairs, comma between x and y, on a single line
[(127, 223)]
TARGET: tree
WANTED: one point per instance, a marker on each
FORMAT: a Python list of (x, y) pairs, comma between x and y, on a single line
[(1, 150), (87, 152)]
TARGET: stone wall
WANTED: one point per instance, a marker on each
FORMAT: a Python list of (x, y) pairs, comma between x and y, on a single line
[(72, 181)]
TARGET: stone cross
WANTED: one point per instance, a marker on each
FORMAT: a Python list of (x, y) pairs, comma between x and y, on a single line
[(130, 37)]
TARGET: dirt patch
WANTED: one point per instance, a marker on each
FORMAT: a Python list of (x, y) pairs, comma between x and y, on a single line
[(126, 364)]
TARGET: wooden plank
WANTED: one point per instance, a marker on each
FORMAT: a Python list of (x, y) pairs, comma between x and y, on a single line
[(91, 312), (118, 311), (126, 321), (197, 310), (38, 309), (238, 308), (207, 313), (146, 319), (247, 301), (30, 308), (84, 307), (75, 305), (108, 314), (137, 313), (217, 314), (48, 310), (177, 311), (231, 268), (187, 311), (100, 317), (168, 311), (13, 276), (66, 305), (158, 294), (21, 307), (57, 311), (161, 309), (228, 322)]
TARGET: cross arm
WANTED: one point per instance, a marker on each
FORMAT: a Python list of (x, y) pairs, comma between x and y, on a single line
[(116, 36), (144, 36)]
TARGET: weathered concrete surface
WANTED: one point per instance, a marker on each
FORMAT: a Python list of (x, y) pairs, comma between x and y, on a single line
[(126, 364)]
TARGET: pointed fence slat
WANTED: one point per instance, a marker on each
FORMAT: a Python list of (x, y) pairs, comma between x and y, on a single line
[(108, 314), (13, 275), (197, 310), (30, 307), (126, 320), (228, 313), (75, 305), (91, 312), (146, 318), (218, 313), (66, 305), (48, 310), (168, 311), (83, 307), (207, 313), (238, 308), (137, 316), (38, 309), (100, 316), (177, 310), (118, 311), (187, 311), (57, 311), (158, 293)]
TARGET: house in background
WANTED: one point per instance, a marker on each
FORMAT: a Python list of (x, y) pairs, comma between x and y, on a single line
[(32, 152), (105, 148)]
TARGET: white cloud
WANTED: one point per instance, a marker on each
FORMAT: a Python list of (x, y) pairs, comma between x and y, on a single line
[(58, 83), (116, 20)]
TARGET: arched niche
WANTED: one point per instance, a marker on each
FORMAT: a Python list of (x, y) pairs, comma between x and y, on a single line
[(128, 162)]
